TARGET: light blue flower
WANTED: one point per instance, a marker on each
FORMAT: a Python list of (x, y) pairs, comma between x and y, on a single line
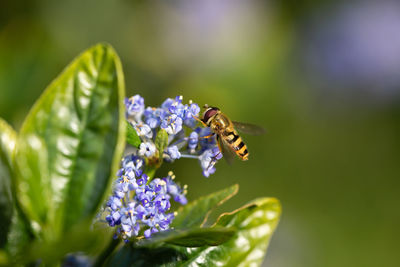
[(144, 207), (208, 160), (147, 149), (172, 124), (167, 104), (177, 107), (132, 163), (172, 153), (175, 190), (192, 110), (114, 202), (144, 130), (193, 141), (134, 105), (153, 116)]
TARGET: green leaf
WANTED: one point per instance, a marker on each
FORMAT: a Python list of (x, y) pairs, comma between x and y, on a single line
[(7, 144), (78, 239), (161, 141), (196, 213), (19, 237), (154, 163), (33, 184), (195, 237), (15, 233), (71, 143), (132, 137), (202, 237), (255, 224), (8, 138), (128, 255)]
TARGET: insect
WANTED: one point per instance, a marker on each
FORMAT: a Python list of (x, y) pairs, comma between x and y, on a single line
[(229, 141)]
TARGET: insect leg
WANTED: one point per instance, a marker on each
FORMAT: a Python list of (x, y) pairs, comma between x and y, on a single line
[(215, 157), (197, 119), (207, 136), (219, 144)]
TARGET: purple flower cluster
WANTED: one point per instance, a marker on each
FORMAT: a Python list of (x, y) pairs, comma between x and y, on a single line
[(139, 205), (174, 117)]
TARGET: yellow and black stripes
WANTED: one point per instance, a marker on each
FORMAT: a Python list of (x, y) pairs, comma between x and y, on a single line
[(223, 127), (236, 143)]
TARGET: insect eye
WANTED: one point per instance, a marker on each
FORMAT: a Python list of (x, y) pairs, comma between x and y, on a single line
[(209, 113)]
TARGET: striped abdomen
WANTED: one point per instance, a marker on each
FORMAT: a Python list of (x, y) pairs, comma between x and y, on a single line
[(232, 138)]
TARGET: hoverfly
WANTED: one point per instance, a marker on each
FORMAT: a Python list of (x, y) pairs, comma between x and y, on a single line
[(229, 141)]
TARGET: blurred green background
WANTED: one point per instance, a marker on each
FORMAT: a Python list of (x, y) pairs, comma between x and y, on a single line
[(323, 77)]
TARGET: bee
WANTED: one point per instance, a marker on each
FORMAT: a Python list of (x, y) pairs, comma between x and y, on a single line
[(229, 141)]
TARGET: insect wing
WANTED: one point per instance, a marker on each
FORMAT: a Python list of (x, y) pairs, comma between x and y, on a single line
[(248, 128), (226, 150)]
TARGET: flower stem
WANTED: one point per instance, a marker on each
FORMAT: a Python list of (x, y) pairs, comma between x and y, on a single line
[(189, 156)]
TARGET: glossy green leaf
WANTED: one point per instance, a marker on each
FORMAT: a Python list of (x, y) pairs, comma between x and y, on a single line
[(128, 255), (7, 145), (8, 138), (132, 137), (161, 141), (195, 237), (71, 143), (15, 233), (202, 237), (255, 224), (196, 213), (19, 237), (33, 188)]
